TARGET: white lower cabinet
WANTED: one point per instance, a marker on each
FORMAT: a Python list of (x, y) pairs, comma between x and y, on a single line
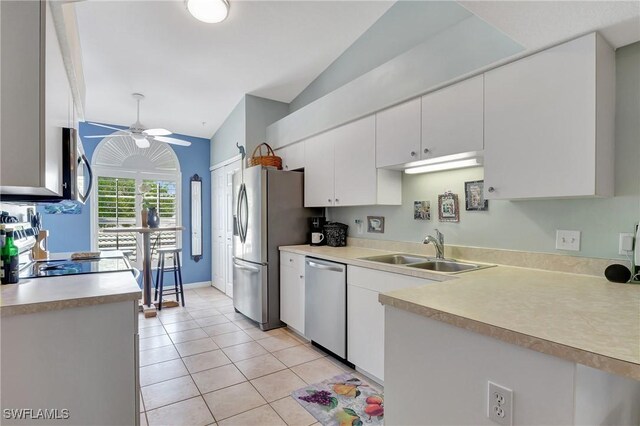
[(292, 290), (365, 315)]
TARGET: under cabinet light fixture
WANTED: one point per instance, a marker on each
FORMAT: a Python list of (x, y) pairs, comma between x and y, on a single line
[(449, 165), (209, 11)]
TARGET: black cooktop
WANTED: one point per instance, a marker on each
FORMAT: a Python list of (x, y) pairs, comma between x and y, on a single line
[(50, 268)]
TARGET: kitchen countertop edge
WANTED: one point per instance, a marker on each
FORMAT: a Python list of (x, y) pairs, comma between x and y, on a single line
[(581, 356)]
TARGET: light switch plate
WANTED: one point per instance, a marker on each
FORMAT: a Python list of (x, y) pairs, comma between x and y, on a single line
[(567, 240)]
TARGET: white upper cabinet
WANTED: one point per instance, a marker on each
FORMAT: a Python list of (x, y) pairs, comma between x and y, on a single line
[(549, 123), (292, 156), (398, 134), (355, 163), (318, 171), (35, 100), (452, 119), (340, 169)]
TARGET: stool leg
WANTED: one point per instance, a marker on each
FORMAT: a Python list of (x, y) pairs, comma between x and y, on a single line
[(157, 278), (180, 278), (175, 277), (161, 281)]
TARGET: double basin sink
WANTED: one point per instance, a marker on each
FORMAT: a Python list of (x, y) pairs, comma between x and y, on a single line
[(449, 266)]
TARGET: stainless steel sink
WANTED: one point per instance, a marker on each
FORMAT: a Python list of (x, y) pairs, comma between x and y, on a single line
[(445, 266), (449, 266), (398, 259)]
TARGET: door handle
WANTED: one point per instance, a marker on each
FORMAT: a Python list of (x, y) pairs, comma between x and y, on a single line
[(84, 197), (245, 268), (324, 267)]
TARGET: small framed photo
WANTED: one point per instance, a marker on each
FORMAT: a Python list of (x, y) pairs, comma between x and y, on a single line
[(474, 196), (375, 224), (422, 210), (448, 208)]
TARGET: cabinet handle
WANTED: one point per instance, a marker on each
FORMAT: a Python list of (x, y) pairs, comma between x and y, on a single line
[(337, 201), (426, 150), (491, 189), (301, 276), (329, 200), (286, 166), (412, 153), (290, 260)]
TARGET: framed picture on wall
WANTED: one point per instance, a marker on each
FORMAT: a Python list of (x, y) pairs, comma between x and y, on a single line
[(422, 210), (448, 207), (375, 224), (474, 196)]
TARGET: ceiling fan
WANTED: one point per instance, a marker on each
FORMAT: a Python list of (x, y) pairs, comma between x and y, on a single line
[(141, 135)]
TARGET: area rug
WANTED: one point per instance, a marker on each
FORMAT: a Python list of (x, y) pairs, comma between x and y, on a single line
[(343, 400)]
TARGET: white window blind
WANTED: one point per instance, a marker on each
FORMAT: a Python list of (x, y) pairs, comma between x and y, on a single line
[(117, 209)]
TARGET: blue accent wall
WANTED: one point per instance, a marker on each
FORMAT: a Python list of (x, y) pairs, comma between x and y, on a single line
[(71, 233)]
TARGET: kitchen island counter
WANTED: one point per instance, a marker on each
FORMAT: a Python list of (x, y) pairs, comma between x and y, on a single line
[(579, 318), (62, 292)]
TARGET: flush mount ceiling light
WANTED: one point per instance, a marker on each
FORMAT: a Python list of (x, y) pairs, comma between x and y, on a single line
[(209, 11)]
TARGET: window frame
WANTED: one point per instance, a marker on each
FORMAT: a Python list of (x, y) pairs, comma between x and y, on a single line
[(139, 176)]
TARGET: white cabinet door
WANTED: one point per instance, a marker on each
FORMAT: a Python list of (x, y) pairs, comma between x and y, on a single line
[(541, 137), (292, 290), (355, 163), (365, 315), (292, 156), (398, 134), (365, 330), (319, 171), (452, 119)]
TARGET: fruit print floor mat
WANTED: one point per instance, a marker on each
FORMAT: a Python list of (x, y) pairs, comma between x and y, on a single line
[(343, 400)]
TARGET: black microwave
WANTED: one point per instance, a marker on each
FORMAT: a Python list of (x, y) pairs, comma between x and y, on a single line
[(76, 174)]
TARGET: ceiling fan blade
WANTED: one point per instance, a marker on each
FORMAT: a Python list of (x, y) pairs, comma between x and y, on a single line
[(157, 132), (106, 127), (102, 136), (172, 141)]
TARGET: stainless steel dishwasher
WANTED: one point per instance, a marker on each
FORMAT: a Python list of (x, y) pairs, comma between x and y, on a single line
[(325, 318)]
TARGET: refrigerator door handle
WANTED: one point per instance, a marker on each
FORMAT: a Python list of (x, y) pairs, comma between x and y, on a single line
[(241, 229), (245, 209), (251, 269)]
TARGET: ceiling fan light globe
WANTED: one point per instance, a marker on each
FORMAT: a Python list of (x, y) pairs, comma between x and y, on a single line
[(157, 132), (209, 11), (142, 143)]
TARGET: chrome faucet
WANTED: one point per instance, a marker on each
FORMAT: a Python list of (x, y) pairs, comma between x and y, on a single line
[(438, 243)]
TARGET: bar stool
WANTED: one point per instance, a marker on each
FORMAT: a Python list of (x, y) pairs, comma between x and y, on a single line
[(177, 275)]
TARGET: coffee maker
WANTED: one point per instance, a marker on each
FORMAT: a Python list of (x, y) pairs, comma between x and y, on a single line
[(316, 233)]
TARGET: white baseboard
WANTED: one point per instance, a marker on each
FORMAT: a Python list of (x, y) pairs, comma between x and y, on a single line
[(198, 284)]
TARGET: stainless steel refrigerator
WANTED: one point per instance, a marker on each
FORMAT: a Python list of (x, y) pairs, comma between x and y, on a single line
[(268, 212)]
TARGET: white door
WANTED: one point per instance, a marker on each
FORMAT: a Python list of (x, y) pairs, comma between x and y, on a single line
[(229, 170), (319, 171), (453, 119), (355, 163), (218, 228), (398, 134)]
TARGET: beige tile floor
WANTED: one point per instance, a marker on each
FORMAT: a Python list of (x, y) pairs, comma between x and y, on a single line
[(205, 364)]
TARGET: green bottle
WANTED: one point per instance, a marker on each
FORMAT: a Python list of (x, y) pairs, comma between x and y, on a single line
[(10, 261)]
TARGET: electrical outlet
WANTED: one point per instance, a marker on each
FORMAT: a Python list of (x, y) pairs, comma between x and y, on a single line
[(567, 240), (500, 404), (359, 226), (625, 243)]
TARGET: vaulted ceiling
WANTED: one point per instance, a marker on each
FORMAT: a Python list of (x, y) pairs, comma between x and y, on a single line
[(193, 73)]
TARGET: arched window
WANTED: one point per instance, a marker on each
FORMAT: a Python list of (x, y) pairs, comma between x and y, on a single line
[(121, 168)]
